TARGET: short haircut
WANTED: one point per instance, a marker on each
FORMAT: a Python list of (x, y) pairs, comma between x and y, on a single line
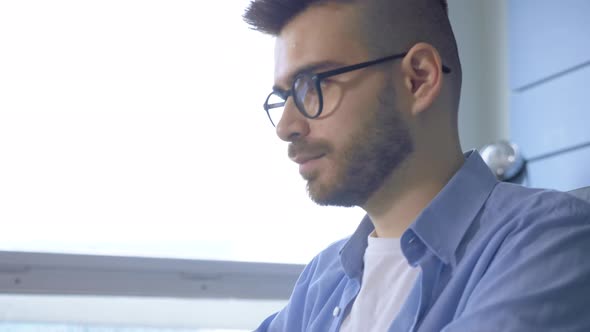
[(271, 16), (385, 26)]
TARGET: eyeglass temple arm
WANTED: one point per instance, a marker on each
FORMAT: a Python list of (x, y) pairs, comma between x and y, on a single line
[(343, 70)]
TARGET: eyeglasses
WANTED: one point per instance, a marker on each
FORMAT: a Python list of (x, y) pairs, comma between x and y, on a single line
[(307, 90)]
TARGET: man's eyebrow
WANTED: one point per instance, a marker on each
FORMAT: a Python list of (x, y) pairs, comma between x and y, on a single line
[(312, 67)]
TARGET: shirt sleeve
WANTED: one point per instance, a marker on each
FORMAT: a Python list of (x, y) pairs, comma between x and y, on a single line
[(539, 280), (264, 327)]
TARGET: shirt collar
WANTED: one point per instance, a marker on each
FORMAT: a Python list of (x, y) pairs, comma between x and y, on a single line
[(443, 223), (351, 254), (440, 227)]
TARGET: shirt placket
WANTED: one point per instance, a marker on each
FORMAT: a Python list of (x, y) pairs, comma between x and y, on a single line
[(420, 297), (347, 298)]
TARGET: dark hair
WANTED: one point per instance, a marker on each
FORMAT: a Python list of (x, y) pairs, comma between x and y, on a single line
[(271, 16), (378, 25), (445, 6)]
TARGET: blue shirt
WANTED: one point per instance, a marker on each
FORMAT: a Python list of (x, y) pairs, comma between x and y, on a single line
[(493, 256)]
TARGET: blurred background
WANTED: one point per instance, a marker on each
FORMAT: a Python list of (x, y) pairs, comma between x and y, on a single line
[(142, 187)]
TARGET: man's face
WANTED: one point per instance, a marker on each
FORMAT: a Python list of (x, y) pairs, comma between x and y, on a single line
[(347, 153)]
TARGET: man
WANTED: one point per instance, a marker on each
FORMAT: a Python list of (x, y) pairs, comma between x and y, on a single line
[(366, 94)]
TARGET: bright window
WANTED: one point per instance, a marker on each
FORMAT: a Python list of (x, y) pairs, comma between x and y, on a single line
[(135, 128), (26, 313)]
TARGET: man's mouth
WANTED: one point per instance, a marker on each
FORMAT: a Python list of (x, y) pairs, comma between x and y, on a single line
[(308, 163), (303, 159)]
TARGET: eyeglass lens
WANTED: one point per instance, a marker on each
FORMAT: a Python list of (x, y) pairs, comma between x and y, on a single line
[(307, 96), (275, 107)]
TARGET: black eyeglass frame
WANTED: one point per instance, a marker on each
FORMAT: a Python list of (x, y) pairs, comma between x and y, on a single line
[(317, 80)]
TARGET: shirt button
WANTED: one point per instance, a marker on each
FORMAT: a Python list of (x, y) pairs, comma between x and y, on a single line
[(336, 312)]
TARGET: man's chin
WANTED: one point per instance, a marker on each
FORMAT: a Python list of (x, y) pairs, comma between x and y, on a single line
[(326, 195), (317, 192)]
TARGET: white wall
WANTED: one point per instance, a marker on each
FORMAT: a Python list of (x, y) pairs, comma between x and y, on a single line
[(481, 30)]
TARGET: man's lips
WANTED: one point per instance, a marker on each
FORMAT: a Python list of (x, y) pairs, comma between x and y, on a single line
[(307, 163), (302, 159)]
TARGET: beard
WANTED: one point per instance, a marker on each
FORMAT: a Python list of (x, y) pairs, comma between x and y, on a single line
[(368, 158)]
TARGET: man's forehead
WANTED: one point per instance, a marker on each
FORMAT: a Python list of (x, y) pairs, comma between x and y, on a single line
[(322, 34)]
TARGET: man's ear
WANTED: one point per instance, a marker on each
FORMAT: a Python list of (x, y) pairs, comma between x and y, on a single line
[(423, 77)]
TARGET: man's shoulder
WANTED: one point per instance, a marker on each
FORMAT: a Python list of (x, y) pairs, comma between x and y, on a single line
[(523, 204), (528, 255), (521, 216), (518, 217)]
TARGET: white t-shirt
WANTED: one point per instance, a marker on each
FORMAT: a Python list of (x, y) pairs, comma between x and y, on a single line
[(387, 281)]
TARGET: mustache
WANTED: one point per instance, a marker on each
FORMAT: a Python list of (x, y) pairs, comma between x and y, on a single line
[(308, 148)]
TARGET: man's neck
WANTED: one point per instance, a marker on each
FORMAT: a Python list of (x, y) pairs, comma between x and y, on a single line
[(409, 190)]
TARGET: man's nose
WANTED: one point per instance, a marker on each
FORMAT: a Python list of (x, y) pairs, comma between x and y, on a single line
[(292, 124)]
